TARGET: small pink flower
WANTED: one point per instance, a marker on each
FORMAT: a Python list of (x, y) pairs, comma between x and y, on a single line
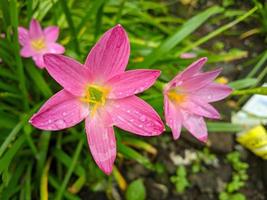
[(102, 93), (187, 98), (188, 55), (37, 42)]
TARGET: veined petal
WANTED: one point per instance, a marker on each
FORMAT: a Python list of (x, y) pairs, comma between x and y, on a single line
[(200, 108), (195, 125), (135, 115), (110, 55), (39, 60), (51, 33), (63, 110), (213, 92), (35, 29), (131, 82), (23, 36), (189, 72), (101, 141), (69, 73), (200, 80), (55, 48), (173, 117)]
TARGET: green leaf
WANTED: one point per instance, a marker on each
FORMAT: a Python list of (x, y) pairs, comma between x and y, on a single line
[(136, 190), (223, 127), (258, 90), (243, 83), (187, 28)]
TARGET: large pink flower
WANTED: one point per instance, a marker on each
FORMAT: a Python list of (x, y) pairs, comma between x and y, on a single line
[(102, 93), (37, 42), (187, 98)]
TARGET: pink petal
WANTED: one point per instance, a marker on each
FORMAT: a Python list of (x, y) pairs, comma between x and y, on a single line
[(131, 82), (23, 36), (200, 108), (26, 51), (110, 55), (195, 125), (35, 29), (51, 33), (189, 72), (67, 72), (39, 60), (200, 80), (101, 141), (56, 48), (213, 92), (63, 110), (188, 55), (173, 118), (135, 115)]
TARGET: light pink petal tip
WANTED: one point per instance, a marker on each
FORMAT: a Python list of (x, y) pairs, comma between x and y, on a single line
[(190, 71), (110, 55), (23, 36), (39, 61), (173, 118), (51, 33), (195, 125), (102, 142), (200, 80), (56, 48), (61, 111), (213, 92), (131, 82), (35, 29), (135, 115), (69, 73)]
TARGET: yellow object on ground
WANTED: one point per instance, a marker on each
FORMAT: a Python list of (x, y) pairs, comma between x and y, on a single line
[(255, 139)]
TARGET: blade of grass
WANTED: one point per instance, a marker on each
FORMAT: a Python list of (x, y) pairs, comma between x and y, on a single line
[(20, 70), (71, 25), (63, 186), (44, 181), (216, 32), (186, 29)]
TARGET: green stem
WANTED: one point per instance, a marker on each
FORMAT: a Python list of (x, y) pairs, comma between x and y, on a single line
[(258, 90), (159, 85), (217, 32), (20, 70), (71, 25), (70, 170)]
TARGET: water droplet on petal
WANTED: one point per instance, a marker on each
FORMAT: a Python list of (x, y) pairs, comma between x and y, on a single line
[(140, 125), (60, 123), (64, 113), (143, 118)]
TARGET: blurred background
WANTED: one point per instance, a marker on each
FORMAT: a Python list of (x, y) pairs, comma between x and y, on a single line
[(166, 35)]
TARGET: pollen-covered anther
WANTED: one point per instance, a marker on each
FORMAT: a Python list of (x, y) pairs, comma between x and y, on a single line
[(38, 44), (95, 96), (177, 97)]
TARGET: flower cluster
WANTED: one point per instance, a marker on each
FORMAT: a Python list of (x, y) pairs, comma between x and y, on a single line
[(103, 94)]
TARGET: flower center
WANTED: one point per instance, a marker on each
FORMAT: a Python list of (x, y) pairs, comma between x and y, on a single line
[(95, 96), (176, 96), (38, 44)]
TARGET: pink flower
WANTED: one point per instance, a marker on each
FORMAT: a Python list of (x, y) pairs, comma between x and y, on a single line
[(102, 93), (187, 98), (37, 42), (188, 55)]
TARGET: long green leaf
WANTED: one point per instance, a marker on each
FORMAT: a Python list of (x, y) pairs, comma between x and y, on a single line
[(189, 27)]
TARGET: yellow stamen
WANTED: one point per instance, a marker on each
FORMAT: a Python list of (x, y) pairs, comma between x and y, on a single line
[(176, 96), (38, 44), (95, 96)]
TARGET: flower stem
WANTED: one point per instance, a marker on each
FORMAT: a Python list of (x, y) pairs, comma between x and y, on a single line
[(159, 85)]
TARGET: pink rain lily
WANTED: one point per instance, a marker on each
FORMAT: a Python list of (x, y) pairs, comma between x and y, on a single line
[(37, 42), (102, 93), (187, 100)]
